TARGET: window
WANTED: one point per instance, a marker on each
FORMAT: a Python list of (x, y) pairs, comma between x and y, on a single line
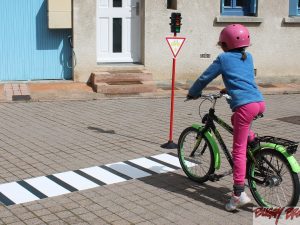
[(117, 3), (117, 34), (238, 7), (172, 4), (294, 8)]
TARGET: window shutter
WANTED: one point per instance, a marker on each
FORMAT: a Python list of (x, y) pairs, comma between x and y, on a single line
[(222, 7), (253, 7), (293, 8)]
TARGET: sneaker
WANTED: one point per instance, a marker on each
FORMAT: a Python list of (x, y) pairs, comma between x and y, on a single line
[(237, 201)]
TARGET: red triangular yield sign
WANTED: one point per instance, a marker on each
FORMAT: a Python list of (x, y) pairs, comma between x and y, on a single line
[(175, 44)]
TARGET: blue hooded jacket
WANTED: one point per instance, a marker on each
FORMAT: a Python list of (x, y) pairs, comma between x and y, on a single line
[(238, 78)]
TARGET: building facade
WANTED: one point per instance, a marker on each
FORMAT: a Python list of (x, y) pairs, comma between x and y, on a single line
[(70, 39), (134, 31), (29, 48)]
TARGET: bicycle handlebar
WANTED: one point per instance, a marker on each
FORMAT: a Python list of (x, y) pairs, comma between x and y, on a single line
[(215, 96), (212, 96)]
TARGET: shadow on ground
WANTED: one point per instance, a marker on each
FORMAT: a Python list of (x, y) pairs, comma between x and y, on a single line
[(99, 130), (205, 193)]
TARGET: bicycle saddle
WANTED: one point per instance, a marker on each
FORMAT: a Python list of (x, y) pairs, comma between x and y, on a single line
[(260, 115)]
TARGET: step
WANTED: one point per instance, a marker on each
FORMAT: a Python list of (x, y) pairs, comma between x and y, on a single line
[(118, 76), (119, 67), (126, 81), (124, 88)]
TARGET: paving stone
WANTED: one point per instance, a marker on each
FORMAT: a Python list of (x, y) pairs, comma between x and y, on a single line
[(43, 138), (88, 216), (34, 221), (49, 218), (10, 219)]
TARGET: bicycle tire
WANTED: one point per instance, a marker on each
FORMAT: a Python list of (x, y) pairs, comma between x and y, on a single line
[(276, 182), (191, 164)]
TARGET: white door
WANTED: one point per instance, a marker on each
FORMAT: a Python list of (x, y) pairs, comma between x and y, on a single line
[(118, 31)]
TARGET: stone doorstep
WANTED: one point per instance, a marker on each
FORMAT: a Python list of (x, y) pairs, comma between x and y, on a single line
[(120, 76), (106, 88), (122, 82), (16, 92)]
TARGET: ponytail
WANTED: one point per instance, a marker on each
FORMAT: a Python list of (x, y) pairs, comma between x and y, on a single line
[(244, 55)]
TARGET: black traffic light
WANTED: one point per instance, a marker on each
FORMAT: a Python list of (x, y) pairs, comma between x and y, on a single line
[(175, 22)]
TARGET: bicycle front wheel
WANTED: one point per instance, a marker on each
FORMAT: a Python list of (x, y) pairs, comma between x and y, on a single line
[(272, 181), (195, 155)]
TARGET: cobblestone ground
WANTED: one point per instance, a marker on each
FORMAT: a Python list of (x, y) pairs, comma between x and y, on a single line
[(43, 138)]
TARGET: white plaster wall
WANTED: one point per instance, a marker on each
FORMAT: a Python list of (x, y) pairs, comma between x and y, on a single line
[(275, 45)]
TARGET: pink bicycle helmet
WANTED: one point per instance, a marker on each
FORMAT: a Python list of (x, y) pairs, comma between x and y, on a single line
[(235, 36)]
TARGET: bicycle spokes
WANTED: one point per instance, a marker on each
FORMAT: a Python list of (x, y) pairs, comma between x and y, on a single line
[(195, 155), (271, 180), (196, 146)]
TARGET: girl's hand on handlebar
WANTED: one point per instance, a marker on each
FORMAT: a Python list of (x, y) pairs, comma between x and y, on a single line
[(223, 91), (190, 97)]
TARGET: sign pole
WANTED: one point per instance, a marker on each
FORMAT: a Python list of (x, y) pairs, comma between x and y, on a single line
[(170, 144), (175, 44), (172, 102)]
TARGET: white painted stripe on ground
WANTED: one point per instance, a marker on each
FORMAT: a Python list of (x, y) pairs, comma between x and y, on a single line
[(75, 180), (17, 193), (47, 186), (151, 165), (103, 175), (190, 164), (168, 159), (128, 170)]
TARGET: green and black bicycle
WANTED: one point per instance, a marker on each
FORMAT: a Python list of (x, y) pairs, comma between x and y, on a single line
[(272, 170)]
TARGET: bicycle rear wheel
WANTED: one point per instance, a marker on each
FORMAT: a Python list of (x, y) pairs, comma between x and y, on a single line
[(195, 155), (272, 181)]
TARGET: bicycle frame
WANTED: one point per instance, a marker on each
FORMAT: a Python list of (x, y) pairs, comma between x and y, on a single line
[(209, 120)]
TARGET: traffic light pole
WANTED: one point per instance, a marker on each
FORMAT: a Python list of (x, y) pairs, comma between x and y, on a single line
[(170, 144), (175, 47)]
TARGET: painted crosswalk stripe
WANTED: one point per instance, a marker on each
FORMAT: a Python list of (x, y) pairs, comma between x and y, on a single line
[(47, 186), (140, 167), (5, 200), (66, 182), (128, 170), (162, 162), (32, 189), (17, 193), (151, 165), (76, 181), (103, 175), (87, 176), (189, 162), (172, 154), (62, 183), (167, 158), (114, 170)]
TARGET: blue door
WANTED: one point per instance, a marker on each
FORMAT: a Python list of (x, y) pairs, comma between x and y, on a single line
[(29, 50)]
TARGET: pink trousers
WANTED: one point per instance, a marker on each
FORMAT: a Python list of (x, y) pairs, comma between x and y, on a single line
[(241, 121)]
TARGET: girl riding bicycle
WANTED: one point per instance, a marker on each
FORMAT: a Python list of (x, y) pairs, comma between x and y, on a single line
[(237, 70)]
